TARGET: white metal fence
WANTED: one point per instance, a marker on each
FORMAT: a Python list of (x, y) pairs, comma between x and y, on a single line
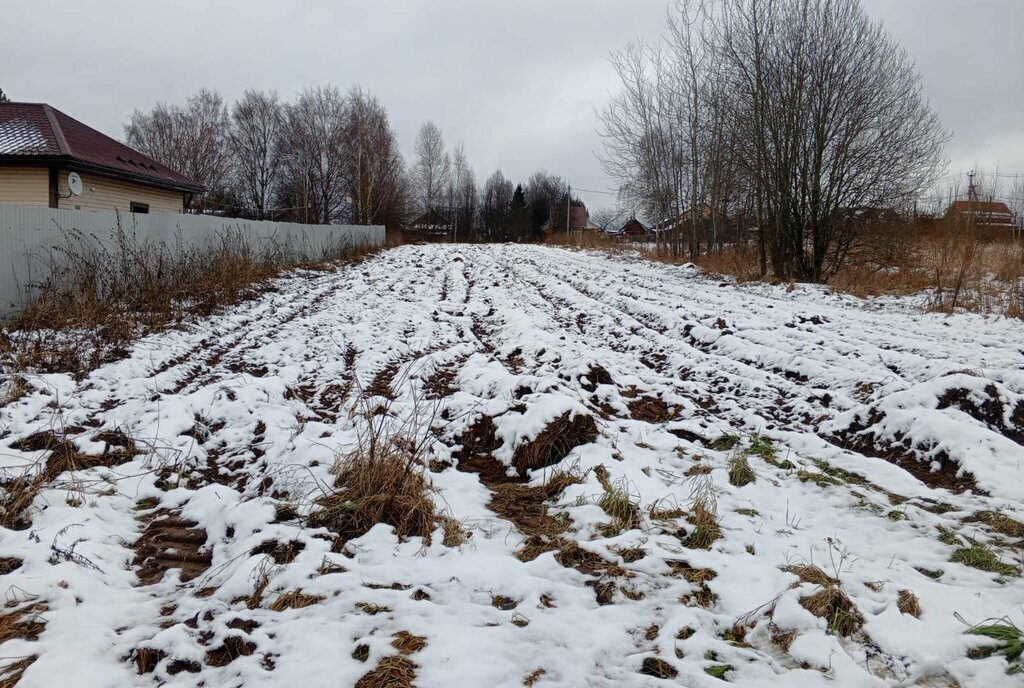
[(29, 237)]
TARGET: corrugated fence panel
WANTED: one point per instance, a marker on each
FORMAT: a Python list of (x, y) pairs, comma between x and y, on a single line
[(30, 237)]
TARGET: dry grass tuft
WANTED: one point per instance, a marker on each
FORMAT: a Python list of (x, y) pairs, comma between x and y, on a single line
[(620, 506), (783, 639), (396, 671), (740, 472), (22, 622), (838, 610), (454, 534), (294, 600), (572, 556), (809, 573), (555, 441), (407, 643), (381, 480), (690, 573), (909, 604), (11, 673), (658, 668), (371, 608), (534, 676), (504, 602), (1000, 523), (703, 513)]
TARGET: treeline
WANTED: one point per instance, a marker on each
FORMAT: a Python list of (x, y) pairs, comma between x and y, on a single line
[(788, 120), (333, 157)]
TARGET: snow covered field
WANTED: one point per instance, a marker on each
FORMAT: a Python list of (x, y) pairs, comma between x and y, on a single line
[(884, 447)]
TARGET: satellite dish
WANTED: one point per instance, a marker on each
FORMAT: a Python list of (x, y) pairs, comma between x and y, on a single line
[(75, 184)]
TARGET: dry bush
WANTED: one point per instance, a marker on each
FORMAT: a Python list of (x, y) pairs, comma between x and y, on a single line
[(384, 486), (100, 297), (959, 266), (383, 479)]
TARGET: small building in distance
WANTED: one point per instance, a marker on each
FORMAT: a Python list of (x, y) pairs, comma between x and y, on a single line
[(432, 222), (988, 214), (48, 159), (633, 230)]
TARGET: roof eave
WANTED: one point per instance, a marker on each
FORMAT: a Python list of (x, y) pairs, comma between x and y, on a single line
[(80, 165)]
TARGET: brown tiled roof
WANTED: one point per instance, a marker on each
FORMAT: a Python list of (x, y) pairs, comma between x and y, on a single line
[(989, 207), (38, 133)]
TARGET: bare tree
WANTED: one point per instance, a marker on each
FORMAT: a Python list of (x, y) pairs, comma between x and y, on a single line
[(315, 164), (374, 167), (832, 116), (432, 168), (462, 193), (543, 191), (192, 140), (609, 218), (495, 207), (256, 144), (790, 111)]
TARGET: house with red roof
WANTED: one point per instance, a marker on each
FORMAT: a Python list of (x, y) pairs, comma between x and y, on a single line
[(48, 159)]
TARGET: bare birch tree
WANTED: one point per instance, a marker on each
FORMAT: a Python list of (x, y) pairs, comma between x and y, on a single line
[(256, 143), (432, 168), (317, 153), (374, 166)]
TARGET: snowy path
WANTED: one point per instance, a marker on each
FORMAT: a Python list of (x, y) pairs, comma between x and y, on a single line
[(891, 430)]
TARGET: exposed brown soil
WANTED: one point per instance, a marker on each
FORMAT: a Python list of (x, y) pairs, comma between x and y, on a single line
[(171, 542), (555, 441), (991, 411), (860, 438), (234, 646), (280, 552), (651, 410)]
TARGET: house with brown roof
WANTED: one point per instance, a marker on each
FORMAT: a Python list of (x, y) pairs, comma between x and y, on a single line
[(993, 214), (48, 159)]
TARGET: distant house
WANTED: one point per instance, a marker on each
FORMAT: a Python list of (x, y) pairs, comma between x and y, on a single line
[(40, 147), (433, 222), (634, 230), (993, 214)]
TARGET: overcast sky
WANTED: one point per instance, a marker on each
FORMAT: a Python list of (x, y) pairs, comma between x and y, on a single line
[(517, 82)]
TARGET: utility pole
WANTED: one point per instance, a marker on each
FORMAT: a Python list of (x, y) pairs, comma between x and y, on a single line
[(568, 207)]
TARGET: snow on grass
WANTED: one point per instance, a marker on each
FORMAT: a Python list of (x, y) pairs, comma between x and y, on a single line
[(788, 429)]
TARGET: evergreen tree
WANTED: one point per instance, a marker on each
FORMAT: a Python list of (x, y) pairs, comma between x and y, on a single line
[(519, 218), (3, 97)]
